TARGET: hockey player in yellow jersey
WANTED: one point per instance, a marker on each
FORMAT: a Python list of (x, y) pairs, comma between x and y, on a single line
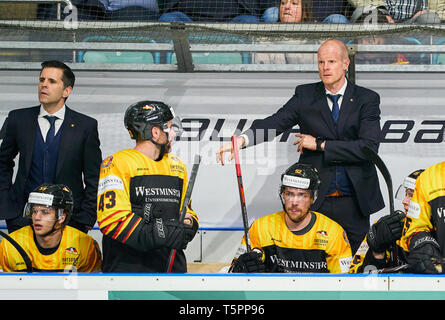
[(424, 237), (51, 245), (383, 238), (295, 240), (140, 195)]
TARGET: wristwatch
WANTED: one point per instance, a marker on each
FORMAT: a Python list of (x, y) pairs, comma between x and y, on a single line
[(319, 141)]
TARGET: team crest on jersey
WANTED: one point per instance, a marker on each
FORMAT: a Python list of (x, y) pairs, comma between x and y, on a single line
[(71, 258), (71, 250), (107, 162), (322, 233)]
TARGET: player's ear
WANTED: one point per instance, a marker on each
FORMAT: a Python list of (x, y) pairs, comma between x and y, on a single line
[(62, 219)]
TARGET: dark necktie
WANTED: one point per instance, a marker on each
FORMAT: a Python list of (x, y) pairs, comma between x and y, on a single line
[(52, 129), (335, 109)]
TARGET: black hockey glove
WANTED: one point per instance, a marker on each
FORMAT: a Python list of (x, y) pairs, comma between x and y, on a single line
[(385, 231), (423, 250), (171, 234), (249, 262)]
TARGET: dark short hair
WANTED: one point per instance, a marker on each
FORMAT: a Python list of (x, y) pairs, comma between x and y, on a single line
[(68, 77)]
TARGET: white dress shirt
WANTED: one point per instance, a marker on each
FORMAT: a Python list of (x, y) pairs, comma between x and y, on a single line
[(44, 123)]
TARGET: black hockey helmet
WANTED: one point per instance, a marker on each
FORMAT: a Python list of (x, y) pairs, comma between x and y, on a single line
[(301, 176), (408, 183), (58, 196), (142, 116)]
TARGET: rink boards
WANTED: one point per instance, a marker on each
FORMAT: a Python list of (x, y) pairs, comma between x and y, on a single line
[(225, 287)]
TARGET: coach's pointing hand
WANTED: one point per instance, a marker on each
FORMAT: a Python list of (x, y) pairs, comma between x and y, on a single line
[(229, 148)]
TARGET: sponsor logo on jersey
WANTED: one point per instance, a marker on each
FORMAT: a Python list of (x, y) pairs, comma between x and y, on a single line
[(441, 212), (110, 182), (143, 191), (414, 210), (292, 265), (72, 257), (345, 263)]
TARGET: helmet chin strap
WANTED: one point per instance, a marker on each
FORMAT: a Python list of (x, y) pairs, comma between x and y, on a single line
[(53, 229), (163, 147)]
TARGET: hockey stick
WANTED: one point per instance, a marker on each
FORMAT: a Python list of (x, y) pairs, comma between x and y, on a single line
[(21, 251), (185, 204), (241, 192), (404, 267), (372, 156)]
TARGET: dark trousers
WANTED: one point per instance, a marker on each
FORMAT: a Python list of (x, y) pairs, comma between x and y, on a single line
[(346, 212)]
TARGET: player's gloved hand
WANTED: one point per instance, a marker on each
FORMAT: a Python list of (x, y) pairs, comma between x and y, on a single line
[(172, 234), (249, 262), (423, 251), (385, 232)]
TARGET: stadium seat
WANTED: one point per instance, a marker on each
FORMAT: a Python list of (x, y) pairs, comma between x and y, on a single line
[(415, 41), (439, 58), (118, 56), (213, 58)]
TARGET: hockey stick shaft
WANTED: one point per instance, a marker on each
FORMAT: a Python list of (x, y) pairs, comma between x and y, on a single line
[(188, 195), (241, 192), (406, 266), (372, 156), (20, 250)]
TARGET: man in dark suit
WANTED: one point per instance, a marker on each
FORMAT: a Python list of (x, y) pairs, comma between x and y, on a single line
[(336, 119), (56, 145)]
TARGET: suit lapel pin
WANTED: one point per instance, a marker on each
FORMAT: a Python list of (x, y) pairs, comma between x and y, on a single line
[(351, 100), (72, 125)]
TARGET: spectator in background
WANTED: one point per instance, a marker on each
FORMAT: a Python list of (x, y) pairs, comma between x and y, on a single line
[(131, 10), (291, 11), (241, 11), (372, 15), (331, 11), (102, 10), (401, 11)]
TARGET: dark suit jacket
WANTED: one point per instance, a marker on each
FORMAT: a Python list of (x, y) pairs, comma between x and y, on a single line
[(358, 125), (254, 7), (78, 162)]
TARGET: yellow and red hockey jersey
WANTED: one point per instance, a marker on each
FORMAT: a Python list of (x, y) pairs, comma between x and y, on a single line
[(321, 247), (77, 251), (132, 188), (427, 207)]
